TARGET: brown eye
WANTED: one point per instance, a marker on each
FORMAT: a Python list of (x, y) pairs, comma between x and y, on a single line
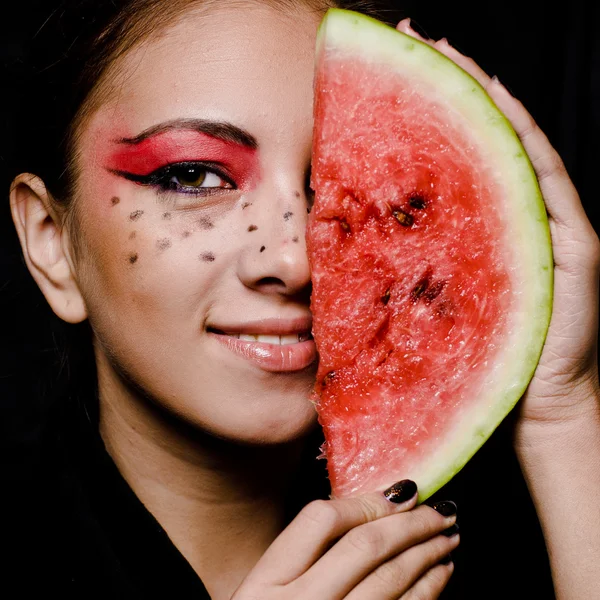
[(196, 176)]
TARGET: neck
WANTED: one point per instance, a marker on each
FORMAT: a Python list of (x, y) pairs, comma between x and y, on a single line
[(209, 495)]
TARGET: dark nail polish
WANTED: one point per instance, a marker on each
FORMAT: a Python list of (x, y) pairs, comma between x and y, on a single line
[(446, 508), (451, 530), (416, 27), (401, 492), (446, 560)]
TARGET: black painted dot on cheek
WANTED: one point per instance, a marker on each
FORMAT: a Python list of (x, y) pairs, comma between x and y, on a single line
[(262, 248), (246, 205), (295, 239), (115, 200), (163, 243), (288, 215), (133, 258), (252, 228), (207, 257), (135, 215), (205, 223)]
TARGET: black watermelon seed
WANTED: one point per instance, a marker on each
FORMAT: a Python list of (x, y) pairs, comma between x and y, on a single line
[(207, 257), (403, 218), (386, 297), (262, 248), (417, 202), (135, 215), (133, 258), (344, 226), (252, 228), (328, 377), (287, 215), (418, 290)]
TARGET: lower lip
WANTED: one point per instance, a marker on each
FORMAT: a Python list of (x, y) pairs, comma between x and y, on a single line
[(272, 357)]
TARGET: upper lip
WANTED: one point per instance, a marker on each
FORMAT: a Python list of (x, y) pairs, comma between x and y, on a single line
[(267, 326)]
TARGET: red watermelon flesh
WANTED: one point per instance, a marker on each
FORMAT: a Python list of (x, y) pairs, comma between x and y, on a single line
[(430, 302)]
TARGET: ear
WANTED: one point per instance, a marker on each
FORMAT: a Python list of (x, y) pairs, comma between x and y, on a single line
[(46, 247)]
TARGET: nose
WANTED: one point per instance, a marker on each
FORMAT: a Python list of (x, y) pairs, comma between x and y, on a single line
[(274, 259)]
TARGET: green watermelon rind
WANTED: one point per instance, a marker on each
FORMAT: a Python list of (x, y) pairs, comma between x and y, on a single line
[(347, 33)]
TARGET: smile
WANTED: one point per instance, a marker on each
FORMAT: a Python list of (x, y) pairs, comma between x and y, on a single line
[(280, 347)]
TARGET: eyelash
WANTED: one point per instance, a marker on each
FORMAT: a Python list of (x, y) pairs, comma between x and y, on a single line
[(162, 178)]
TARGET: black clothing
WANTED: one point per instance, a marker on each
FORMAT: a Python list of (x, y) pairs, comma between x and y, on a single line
[(79, 531)]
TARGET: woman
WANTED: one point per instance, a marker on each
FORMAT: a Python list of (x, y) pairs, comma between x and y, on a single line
[(187, 134)]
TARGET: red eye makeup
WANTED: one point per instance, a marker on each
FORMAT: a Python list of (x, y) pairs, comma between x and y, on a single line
[(220, 148)]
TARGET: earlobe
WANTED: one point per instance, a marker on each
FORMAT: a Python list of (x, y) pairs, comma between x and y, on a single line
[(43, 238)]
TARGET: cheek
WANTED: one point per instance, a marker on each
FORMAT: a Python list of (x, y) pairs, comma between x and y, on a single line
[(142, 258)]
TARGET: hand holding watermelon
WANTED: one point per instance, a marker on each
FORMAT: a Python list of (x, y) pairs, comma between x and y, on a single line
[(558, 427), (454, 273), (356, 548)]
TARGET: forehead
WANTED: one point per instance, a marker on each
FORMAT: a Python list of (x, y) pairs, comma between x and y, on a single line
[(252, 67)]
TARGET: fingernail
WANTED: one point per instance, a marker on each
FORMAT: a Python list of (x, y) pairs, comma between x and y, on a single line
[(418, 29), (446, 508), (401, 492), (452, 530), (446, 560)]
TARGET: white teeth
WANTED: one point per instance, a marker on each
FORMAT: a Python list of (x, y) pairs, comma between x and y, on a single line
[(248, 338), (268, 339), (289, 339)]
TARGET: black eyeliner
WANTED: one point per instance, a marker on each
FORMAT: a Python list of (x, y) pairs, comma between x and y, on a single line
[(161, 178)]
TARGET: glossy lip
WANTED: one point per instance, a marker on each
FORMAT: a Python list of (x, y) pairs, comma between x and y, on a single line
[(273, 358)]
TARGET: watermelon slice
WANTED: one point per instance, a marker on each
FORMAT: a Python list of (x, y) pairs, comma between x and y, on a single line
[(431, 259)]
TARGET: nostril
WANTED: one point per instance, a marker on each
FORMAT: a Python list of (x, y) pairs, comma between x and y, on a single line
[(270, 281)]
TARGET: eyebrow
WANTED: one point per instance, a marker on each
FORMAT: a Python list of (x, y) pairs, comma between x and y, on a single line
[(217, 129)]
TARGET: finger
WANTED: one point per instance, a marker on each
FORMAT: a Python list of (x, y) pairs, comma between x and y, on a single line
[(405, 26), (319, 525), (464, 62), (390, 553), (432, 584)]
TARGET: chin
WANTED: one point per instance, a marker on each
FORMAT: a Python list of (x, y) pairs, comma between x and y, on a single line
[(265, 427)]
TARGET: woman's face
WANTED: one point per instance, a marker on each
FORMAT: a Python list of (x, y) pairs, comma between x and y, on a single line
[(193, 203)]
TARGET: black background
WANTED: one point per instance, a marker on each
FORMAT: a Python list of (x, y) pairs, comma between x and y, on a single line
[(550, 59)]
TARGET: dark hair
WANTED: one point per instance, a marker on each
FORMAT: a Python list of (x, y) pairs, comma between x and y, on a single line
[(53, 80)]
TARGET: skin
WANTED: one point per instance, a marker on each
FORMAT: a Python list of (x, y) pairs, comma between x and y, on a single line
[(150, 284)]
